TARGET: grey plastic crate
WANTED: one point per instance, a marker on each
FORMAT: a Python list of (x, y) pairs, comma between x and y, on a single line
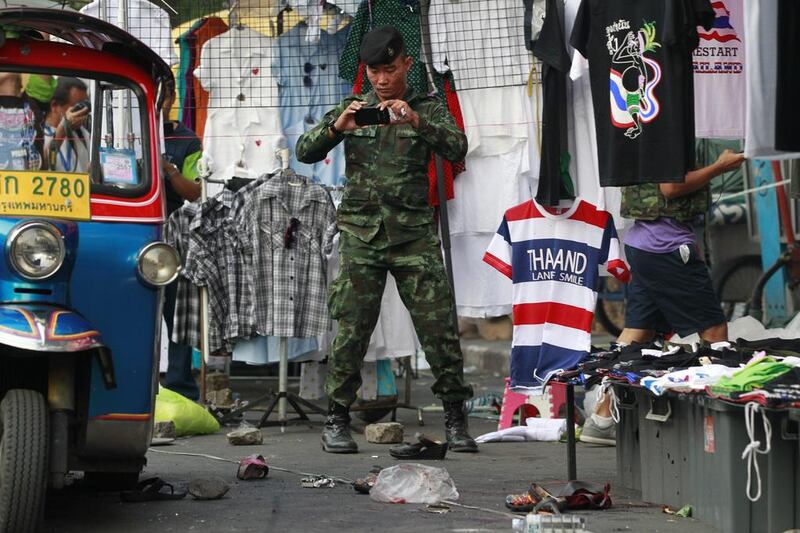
[(716, 438), (667, 475), (629, 463)]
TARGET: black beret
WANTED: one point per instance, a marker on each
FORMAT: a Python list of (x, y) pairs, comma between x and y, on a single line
[(381, 45)]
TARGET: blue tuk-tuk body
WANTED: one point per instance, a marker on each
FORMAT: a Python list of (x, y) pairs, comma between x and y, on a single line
[(79, 346)]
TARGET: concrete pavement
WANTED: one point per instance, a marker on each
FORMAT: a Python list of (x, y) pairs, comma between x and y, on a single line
[(279, 504)]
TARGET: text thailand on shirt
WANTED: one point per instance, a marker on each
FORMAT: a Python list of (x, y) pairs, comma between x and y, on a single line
[(553, 260)]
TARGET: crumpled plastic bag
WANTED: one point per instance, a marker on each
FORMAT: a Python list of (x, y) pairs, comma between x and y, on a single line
[(413, 483), (189, 417)]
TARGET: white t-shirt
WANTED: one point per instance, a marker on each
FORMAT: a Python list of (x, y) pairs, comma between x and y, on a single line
[(761, 26), (147, 22), (243, 122), (719, 74)]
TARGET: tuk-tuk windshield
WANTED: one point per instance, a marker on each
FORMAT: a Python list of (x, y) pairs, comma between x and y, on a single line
[(73, 125)]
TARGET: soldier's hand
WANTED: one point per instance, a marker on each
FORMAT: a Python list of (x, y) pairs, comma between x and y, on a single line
[(729, 160), (347, 120), (400, 112)]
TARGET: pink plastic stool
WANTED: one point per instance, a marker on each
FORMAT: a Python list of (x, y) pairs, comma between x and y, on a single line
[(558, 399), (512, 402)]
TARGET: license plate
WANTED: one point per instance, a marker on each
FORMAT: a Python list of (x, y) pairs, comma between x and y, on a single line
[(45, 194)]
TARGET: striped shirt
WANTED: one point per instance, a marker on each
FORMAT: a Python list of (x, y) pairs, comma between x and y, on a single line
[(552, 260)]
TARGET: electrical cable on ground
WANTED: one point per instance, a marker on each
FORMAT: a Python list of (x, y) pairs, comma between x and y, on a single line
[(272, 467)]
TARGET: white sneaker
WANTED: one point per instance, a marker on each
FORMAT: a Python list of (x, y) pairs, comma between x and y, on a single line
[(594, 434)]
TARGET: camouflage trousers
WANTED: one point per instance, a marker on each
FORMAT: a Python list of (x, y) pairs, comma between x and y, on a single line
[(355, 299)]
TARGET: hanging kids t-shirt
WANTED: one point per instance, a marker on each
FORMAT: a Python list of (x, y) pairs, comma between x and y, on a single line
[(640, 66), (552, 258)]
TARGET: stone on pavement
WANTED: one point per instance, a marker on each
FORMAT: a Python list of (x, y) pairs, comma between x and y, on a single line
[(245, 436), (211, 488), (164, 430), (384, 433)]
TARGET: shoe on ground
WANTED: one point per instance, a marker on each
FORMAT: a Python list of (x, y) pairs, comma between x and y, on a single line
[(594, 434)]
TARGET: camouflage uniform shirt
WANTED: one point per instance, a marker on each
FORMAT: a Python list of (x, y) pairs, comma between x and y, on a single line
[(387, 168)]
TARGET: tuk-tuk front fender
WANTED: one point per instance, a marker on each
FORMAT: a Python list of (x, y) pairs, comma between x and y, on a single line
[(46, 328)]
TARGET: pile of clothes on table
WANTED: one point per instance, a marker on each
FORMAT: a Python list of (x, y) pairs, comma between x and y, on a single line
[(766, 371)]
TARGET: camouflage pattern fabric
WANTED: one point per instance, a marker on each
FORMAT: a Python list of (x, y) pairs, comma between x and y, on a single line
[(387, 168), (355, 300), (387, 225), (645, 202)]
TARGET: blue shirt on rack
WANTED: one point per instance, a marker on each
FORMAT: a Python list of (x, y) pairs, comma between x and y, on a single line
[(309, 85)]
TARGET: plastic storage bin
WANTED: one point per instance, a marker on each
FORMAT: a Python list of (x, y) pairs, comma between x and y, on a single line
[(629, 463), (667, 475), (717, 439)]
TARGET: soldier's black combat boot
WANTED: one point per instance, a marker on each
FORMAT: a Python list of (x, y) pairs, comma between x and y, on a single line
[(455, 425), (336, 434)]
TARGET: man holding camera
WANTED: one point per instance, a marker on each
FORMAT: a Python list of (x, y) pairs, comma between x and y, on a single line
[(387, 225)]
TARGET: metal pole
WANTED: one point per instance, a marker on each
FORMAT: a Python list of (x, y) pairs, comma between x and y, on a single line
[(204, 324), (444, 224), (572, 466), (283, 381), (127, 114)]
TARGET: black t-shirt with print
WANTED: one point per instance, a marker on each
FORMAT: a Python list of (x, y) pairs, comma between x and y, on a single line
[(787, 113), (640, 67), (551, 49)]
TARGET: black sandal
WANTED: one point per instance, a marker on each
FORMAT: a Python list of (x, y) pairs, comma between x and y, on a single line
[(148, 490), (425, 448)]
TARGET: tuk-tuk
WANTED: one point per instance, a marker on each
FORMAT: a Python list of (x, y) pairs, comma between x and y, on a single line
[(83, 268)]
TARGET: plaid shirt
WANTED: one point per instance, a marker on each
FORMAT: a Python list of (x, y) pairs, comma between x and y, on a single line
[(216, 260), (289, 282), (186, 326)]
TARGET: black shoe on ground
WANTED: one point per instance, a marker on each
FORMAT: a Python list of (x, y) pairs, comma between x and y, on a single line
[(336, 436), (455, 425)]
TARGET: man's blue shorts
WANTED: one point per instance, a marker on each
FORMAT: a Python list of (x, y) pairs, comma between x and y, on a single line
[(667, 294)]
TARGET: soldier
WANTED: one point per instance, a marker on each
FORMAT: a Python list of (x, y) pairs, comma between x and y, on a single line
[(670, 288), (387, 225)]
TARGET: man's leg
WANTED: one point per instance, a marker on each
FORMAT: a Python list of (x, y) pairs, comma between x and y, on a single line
[(422, 283), (718, 333), (179, 368), (354, 300)]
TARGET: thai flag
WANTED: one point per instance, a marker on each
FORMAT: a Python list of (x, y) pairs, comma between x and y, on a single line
[(721, 31)]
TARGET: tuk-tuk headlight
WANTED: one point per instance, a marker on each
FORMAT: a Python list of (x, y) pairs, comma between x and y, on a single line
[(36, 249), (159, 264)]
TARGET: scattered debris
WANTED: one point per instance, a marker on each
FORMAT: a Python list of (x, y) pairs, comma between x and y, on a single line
[(211, 488), (317, 482), (384, 433), (245, 435), (683, 512), (252, 467), (438, 508)]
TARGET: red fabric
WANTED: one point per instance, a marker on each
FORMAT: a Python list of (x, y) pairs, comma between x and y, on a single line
[(358, 86), (451, 170)]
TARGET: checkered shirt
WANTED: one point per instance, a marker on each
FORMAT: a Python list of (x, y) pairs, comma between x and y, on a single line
[(186, 322), (216, 260), (289, 284)]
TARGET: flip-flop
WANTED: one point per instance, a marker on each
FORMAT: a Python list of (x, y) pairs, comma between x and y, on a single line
[(253, 467), (149, 490), (425, 448)]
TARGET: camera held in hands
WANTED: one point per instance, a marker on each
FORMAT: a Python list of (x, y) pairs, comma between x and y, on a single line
[(368, 116)]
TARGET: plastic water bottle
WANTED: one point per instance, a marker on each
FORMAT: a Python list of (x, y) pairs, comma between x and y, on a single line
[(534, 523)]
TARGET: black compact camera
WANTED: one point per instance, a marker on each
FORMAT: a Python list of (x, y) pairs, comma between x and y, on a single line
[(368, 116), (81, 105)]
